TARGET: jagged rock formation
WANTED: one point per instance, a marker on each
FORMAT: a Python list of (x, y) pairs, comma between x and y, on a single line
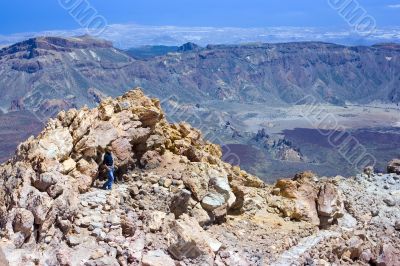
[(279, 147), (176, 202), (42, 183)]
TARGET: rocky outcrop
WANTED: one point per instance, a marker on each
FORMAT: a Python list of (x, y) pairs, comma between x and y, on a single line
[(42, 184), (278, 146), (176, 201), (188, 240), (330, 205), (298, 198), (305, 198)]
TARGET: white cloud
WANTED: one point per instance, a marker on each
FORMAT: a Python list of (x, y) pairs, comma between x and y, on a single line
[(129, 35), (394, 6)]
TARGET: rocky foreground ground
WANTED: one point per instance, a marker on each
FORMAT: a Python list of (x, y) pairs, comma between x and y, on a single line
[(177, 203)]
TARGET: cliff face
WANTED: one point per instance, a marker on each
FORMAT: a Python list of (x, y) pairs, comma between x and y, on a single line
[(176, 201)]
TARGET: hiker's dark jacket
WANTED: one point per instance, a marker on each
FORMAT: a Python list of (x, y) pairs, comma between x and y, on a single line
[(108, 159)]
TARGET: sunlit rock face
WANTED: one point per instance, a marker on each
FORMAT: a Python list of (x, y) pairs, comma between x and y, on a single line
[(176, 201)]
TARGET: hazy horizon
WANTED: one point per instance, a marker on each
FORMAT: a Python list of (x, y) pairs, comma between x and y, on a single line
[(131, 24)]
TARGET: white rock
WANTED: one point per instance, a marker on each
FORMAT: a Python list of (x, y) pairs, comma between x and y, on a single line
[(347, 222), (157, 258), (155, 221), (57, 144), (212, 201), (114, 219), (73, 240), (188, 240)]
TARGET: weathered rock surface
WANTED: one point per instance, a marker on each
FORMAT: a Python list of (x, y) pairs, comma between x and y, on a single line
[(188, 240), (157, 258), (47, 194), (179, 204), (330, 205)]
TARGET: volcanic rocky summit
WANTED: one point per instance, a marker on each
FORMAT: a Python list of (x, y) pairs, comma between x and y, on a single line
[(176, 202)]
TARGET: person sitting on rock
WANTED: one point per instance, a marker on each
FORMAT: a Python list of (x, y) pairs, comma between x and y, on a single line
[(108, 162)]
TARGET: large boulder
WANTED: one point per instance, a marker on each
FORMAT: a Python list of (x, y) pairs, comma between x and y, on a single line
[(188, 240), (196, 180), (87, 167), (106, 109), (39, 204), (299, 199), (209, 186), (155, 221), (150, 160), (20, 226), (68, 166), (23, 221), (53, 144), (330, 205), (101, 134), (122, 149), (219, 182), (43, 181), (212, 200)]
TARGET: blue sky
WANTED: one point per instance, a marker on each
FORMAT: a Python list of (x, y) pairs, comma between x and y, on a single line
[(28, 16)]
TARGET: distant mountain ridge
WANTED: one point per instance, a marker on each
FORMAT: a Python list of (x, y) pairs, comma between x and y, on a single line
[(56, 43), (66, 68), (54, 68)]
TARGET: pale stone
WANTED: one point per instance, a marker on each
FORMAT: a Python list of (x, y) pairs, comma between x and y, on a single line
[(55, 144), (68, 165), (212, 201), (157, 258), (155, 221), (188, 240)]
